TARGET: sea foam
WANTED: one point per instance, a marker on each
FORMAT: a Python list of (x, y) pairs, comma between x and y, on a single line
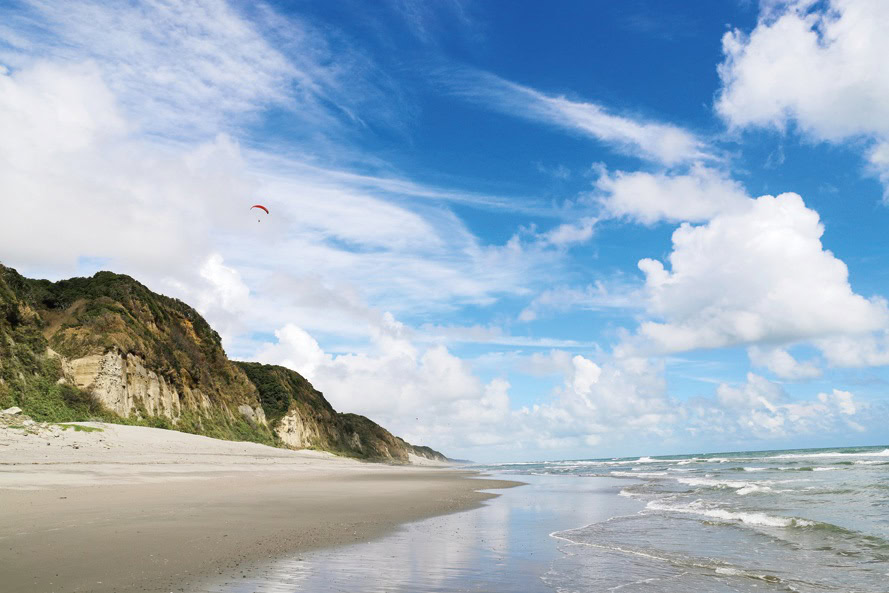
[(746, 518)]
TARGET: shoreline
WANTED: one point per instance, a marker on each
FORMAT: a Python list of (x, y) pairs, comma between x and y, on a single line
[(506, 546), (141, 509)]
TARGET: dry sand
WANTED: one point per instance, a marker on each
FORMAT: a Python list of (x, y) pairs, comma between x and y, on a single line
[(141, 509)]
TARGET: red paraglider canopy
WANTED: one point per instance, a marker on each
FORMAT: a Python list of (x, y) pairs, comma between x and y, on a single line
[(261, 207)]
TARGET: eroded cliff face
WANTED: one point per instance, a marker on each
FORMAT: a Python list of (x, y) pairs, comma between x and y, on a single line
[(302, 429), (297, 431), (123, 384)]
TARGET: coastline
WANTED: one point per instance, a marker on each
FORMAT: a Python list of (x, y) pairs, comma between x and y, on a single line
[(141, 509)]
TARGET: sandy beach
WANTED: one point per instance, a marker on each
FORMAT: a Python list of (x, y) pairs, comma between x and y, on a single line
[(140, 509)]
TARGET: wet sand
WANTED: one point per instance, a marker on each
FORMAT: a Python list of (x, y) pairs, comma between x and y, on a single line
[(137, 509), (504, 547)]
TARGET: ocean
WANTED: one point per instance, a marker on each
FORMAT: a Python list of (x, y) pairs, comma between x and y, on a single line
[(807, 521)]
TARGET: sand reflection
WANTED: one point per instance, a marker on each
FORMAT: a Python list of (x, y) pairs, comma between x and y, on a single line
[(504, 546)]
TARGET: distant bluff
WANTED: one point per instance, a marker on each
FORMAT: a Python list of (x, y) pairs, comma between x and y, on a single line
[(108, 348)]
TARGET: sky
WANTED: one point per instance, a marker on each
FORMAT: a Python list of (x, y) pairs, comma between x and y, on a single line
[(507, 230)]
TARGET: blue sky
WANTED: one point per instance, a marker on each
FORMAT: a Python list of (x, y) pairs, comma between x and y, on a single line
[(508, 230)]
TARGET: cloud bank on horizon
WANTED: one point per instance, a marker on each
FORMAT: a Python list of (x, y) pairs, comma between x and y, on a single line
[(489, 234)]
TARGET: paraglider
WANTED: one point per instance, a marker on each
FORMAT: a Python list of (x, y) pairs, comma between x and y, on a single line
[(261, 207)]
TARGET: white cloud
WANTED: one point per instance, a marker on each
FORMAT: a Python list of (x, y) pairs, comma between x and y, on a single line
[(80, 176), (425, 395), (843, 400), (601, 295), (428, 20), (878, 159), (219, 293), (51, 110), (431, 396), (782, 363), (351, 215), (183, 68), (569, 233), (613, 399), (167, 60), (159, 210), (761, 408), (650, 140), (229, 289), (757, 275), (554, 362), (820, 66), (304, 167), (696, 196), (756, 392), (296, 350), (489, 334), (856, 351), (586, 374)]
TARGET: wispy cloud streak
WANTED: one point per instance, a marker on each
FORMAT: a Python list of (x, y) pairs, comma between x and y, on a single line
[(649, 140), (184, 68)]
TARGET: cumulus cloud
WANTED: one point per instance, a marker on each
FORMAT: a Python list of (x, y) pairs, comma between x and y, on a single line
[(856, 351), (296, 350), (818, 65), (782, 363), (637, 136), (570, 233), (878, 161), (842, 400), (763, 409), (759, 274), (613, 399), (586, 374), (219, 293), (228, 289), (426, 395), (756, 392), (695, 196), (430, 395)]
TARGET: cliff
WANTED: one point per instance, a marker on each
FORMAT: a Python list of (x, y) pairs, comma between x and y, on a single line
[(108, 348), (304, 419)]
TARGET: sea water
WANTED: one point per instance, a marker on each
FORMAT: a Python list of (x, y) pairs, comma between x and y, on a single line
[(810, 520), (813, 520)]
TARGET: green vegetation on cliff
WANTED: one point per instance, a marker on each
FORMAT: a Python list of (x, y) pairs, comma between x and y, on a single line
[(108, 348), (282, 390), (28, 378)]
